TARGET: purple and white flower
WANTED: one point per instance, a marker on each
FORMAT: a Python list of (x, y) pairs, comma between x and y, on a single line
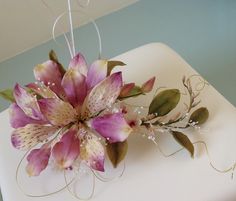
[(65, 114)]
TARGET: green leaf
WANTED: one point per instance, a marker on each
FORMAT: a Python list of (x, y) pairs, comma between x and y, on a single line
[(53, 57), (117, 152), (164, 102), (113, 64), (199, 116), (184, 141), (136, 91), (7, 95)]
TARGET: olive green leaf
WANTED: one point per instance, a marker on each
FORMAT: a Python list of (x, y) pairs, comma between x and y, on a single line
[(113, 64), (53, 57), (117, 152), (164, 102), (184, 141), (199, 116), (7, 95), (135, 91)]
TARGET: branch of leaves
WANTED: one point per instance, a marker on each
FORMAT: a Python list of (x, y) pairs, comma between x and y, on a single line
[(192, 95), (163, 103)]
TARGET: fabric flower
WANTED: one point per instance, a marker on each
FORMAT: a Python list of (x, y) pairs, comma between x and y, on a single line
[(68, 115)]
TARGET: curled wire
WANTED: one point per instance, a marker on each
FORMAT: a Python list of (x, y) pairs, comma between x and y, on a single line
[(90, 19), (70, 46), (201, 84), (211, 162), (32, 195), (83, 5), (63, 32), (75, 195), (105, 179)]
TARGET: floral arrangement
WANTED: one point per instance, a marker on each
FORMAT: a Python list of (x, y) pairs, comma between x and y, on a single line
[(79, 113)]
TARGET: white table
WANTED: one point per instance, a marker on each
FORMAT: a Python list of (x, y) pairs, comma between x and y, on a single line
[(148, 175)]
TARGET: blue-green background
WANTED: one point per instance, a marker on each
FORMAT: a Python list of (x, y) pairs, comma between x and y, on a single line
[(203, 32)]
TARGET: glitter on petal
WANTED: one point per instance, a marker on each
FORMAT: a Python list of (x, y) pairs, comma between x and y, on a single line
[(57, 112), (30, 135), (102, 95), (112, 127)]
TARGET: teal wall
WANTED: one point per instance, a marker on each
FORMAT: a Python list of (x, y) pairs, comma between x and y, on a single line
[(202, 31)]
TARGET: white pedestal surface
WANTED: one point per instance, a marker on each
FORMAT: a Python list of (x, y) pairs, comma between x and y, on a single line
[(149, 175)]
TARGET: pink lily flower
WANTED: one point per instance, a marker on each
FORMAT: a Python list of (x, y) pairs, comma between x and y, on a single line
[(69, 115)]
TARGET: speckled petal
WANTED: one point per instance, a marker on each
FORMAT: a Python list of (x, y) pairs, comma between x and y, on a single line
[(38, 160), (113, 127), (92, 152), (67, 150), (57, 112), (74, 84), (42, 90), (30, 135), (27, 102), (102, 95), (97, 72), (19, 119), (49, 74), (79, 63)]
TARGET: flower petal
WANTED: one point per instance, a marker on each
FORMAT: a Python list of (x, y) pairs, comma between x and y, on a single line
[(132, 116), (49, 74), (67, 150), (79, 63), (57, 112), (30, 135), (102, 95), (148, 85), (113, 127), (19, 119), (42, 90), (74, 84), (27, 102), (126, 89), (38, 160), (97, 72), (92, 152)]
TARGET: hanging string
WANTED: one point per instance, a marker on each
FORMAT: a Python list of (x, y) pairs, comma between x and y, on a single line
[(90, 19), (54, 37), (71, 28), (70, 46)]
